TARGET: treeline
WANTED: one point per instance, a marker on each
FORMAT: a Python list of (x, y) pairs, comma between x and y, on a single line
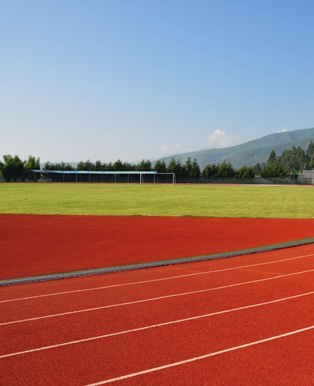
[(12, 168), (290, 161), (192, 170), (98, 166), (189, 169)]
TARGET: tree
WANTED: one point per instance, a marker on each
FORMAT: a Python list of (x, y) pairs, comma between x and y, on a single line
[(129, 167), (160, 167), (225, 170), (285, 158), (80, 166), (12, 168), (310, 149), (272, 157), (210, 171), (267, 171), (175, 167), (207, 171), (48, 166), (293, 160), (118, 166), (309, 156), (279, 171), (144, 166), (98, 166), (187, 168), (245, 172), (195, 171), (274, 170), (85, 166), (63, 166), (300, 159), (110, 167), (32, 163), (257, 169)]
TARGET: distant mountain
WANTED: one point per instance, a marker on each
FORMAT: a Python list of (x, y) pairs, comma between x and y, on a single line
[(249, 153)]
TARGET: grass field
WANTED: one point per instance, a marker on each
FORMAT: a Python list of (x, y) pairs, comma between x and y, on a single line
[(158, 200)]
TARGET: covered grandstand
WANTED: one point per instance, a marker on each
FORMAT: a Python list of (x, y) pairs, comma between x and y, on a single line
[(139, 177)]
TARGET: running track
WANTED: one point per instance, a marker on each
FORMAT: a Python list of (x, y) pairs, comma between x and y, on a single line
[(247, 320)]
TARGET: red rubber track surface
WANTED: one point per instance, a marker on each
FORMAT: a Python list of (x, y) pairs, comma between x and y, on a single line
[(41, 244), (248, 320)]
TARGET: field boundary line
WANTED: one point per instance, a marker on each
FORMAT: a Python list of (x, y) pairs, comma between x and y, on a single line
[(155, 298), (162, 324), (129, 267), (239, 267), (194, 359)]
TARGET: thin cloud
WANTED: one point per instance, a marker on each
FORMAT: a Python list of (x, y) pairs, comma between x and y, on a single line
[(220, 139), (169, 150)]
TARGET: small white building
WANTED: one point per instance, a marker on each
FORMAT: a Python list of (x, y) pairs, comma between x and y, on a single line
[(307, 177)]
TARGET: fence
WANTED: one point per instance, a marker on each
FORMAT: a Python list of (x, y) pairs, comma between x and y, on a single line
[(248, 181), (98, 176)]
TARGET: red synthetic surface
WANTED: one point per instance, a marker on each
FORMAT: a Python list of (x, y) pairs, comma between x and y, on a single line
[(40, 244), (82, 308)]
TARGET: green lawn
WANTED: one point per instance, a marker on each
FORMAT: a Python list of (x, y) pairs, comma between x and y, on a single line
[(158, 200)]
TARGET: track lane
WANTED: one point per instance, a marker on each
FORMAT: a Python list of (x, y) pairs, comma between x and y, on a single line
[(120, 355), (107, 295), (100, 238), (135, 314), (290, 363), (201, 296), (89, 282), (54, 333), (205, 292)]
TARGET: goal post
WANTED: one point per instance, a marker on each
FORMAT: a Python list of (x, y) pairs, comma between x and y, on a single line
[(98, 176)]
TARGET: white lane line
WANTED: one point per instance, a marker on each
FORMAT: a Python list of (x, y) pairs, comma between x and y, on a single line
[(153, 280), (157, 325), (154, 299), (212, 354)]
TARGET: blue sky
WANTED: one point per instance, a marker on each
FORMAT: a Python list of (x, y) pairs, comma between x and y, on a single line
[(141, 79)]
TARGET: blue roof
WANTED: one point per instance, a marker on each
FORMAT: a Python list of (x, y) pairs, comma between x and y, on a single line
[(90, 172)]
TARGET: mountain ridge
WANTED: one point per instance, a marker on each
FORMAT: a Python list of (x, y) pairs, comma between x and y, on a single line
[(249, 153)]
